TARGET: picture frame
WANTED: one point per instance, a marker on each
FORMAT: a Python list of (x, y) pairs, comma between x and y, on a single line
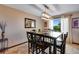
[(45, 24), (75, 22), (29, 23)]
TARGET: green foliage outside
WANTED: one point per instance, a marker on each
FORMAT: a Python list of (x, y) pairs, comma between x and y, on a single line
[(57, 28)]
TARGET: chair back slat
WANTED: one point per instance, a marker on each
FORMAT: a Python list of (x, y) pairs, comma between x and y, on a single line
[(65, 37)]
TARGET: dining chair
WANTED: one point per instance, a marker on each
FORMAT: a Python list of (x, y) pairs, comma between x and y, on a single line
[(60, 45), (43, 43), (30, 43)]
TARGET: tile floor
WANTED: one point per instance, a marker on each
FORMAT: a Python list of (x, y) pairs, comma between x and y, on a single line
[(23, 49)]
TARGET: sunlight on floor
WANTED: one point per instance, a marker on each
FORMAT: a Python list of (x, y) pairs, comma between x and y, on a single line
[(72, 49)]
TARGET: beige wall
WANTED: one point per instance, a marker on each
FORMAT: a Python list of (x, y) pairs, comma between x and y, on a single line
[(75, 31), (15, 31)]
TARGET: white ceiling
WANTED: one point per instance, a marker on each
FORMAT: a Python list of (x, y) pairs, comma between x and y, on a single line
[(37, 9)]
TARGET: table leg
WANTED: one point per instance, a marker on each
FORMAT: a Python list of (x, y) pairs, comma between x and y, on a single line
[(50, 50), (54, 48)]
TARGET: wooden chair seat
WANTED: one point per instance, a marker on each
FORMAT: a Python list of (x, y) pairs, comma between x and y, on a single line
[(42, 45)]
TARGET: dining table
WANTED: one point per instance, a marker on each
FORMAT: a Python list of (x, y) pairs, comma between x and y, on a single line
[(54, 36)]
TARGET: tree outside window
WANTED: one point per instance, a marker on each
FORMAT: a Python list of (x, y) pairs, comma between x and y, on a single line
[(57, 24)]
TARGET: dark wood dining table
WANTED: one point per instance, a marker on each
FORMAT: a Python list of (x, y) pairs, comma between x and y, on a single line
[(54, 36)]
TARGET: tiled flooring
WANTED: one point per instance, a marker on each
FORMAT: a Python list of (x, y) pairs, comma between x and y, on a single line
[(23, 49), (72, 49)]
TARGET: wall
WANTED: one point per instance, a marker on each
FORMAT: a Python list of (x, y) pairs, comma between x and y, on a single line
[(15, 31), (75, 31)]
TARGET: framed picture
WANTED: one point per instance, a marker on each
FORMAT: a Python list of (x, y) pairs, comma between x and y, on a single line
[(45, 24), (75, 22), (30, 23)]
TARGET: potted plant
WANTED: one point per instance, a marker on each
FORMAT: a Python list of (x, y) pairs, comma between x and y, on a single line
[(2, 27)]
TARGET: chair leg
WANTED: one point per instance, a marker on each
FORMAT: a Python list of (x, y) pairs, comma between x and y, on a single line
[(42, 50), (36, 49), (50, 50), (28, 48), (32, 48), (63, 50)]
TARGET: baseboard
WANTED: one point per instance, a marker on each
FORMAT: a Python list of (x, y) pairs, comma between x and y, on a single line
[(75, 43)]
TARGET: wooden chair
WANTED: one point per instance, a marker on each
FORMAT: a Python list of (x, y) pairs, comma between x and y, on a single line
[(41, 44), (60, 45), (29, 42)]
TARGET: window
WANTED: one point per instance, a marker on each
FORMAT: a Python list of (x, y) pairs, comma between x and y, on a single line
[(57, 24)]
